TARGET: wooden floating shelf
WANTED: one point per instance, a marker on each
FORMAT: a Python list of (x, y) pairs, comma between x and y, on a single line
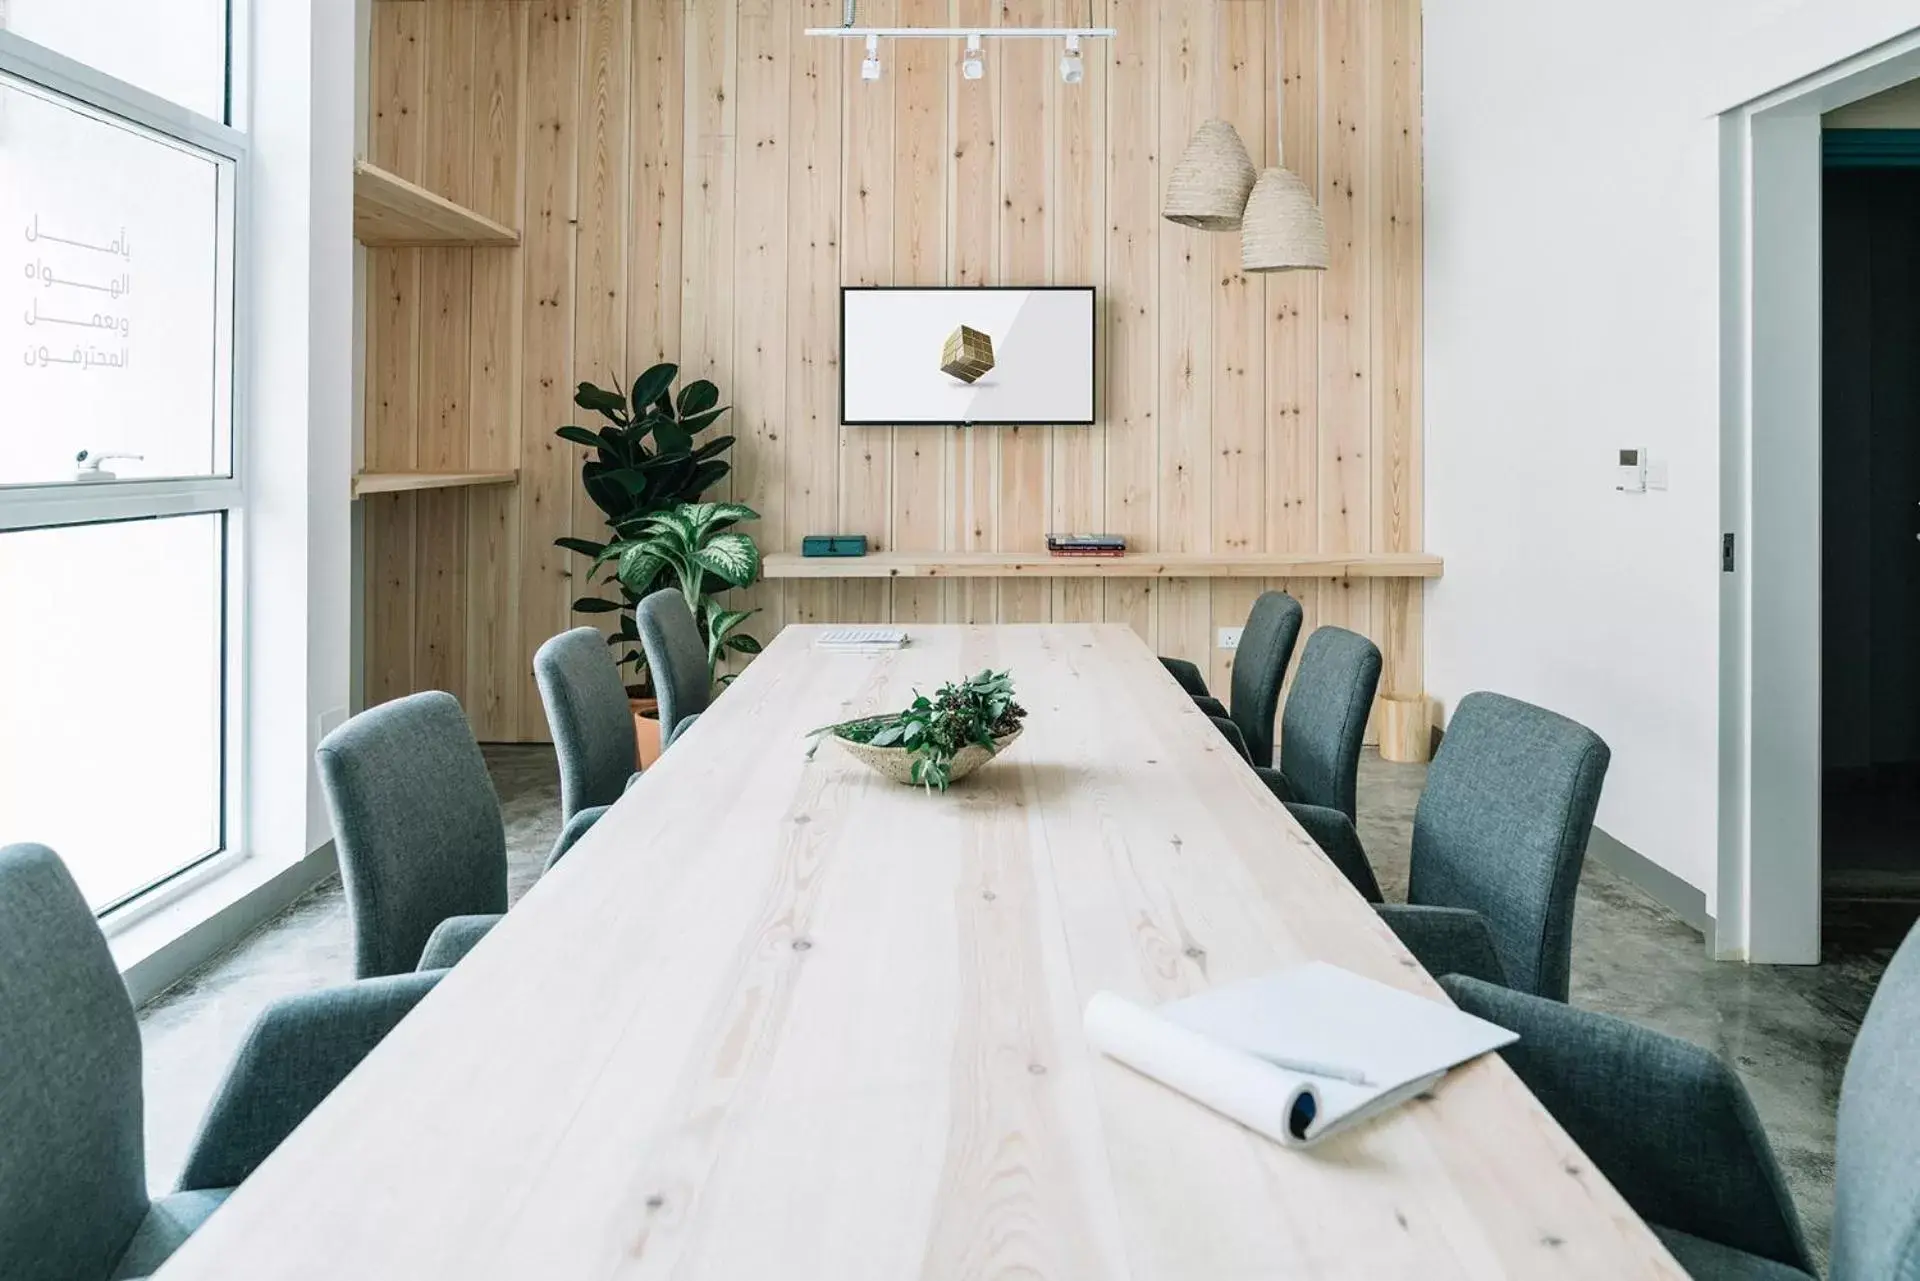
[(399, 482), (1132, 565), (390, 212)]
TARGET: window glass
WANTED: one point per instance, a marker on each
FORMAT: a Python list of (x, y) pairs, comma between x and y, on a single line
[(111, 697), (116, 293), (175, 49)]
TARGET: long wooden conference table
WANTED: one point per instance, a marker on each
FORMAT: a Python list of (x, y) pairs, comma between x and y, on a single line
[(782, 1019)]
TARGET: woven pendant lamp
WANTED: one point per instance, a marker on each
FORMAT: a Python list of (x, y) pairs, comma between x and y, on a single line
[(1282, 229), (1209, 186)]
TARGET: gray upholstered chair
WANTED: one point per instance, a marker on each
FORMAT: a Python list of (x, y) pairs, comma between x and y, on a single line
[(592, 726), (677, 659), (73, 1179), (1673, 1129), (1498, 842), (423, 851), (1325, 720), (1259, 670), (1669, 1125)]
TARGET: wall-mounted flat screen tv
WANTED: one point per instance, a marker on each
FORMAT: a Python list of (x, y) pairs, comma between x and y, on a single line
[(991, 357)]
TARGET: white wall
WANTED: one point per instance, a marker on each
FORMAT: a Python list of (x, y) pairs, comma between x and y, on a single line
[(302, 126), (1573, 309)]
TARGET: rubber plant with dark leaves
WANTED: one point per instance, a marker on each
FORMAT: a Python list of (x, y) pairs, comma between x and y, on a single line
[(975, 711), (645, 460), (696, 549)]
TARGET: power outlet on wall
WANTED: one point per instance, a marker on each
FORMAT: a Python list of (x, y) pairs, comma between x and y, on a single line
[(1230, 637)]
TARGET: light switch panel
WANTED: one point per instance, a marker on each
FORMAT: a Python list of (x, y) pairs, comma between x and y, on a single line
[(1230, 637)]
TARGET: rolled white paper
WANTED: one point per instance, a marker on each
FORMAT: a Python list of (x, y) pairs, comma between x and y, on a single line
[(1255, 1093)]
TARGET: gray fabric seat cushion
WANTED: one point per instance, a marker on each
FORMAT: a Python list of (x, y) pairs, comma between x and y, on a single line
[(454, 937), (589, 716), (72, 1140), (165, 1229), (417, 825), (1502, 830), (1709, 1261), (676, 657)]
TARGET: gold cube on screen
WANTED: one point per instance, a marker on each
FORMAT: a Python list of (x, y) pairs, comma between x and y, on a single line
[(967, 355)]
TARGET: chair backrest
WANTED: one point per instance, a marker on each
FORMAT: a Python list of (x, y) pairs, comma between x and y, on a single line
[(676, 656), (1326, 717), (591, 720), (1260, 668), (417, 825), (1876, 1200), (1502, 829), (73, 1179)]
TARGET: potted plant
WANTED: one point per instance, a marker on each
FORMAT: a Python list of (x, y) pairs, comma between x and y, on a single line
[(695, 549), (644, 461), (935, 741)]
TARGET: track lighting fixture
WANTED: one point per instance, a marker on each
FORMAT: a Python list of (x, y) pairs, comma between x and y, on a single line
[(1072, 70), (974, 64)]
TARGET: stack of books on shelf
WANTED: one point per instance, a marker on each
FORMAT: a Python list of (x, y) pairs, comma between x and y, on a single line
[(1086, 545)]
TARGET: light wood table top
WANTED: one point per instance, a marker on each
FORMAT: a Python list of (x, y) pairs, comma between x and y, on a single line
[(779, 1019)]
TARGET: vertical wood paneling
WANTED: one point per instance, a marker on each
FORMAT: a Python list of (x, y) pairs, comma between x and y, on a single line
[(493, 512), (758, 387), (866, 258), (695, 180), (1079, 461), (549, 467), (1026, 72), (975, 258), (1132, 369), (1346, 346), (393, 324), (921, 455), (813, 299), (1186, 98), (1396, 262), (657, 136)]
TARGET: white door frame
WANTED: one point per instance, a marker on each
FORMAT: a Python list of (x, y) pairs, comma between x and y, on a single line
[(1767, 901)]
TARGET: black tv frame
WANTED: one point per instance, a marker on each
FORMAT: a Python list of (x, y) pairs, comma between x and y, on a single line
[(1093, 379)]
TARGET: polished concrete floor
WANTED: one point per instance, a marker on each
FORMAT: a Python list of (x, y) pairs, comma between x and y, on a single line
[(1786, 1030)]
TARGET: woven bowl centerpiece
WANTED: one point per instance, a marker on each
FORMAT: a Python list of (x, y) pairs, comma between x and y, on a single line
[(1209, 186), (896, 763), (935, 742)]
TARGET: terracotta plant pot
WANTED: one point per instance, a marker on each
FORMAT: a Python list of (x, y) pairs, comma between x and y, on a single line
[(646, 731)]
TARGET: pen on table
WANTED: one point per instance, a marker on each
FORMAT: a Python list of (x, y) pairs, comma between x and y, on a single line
[(1332, 1071)]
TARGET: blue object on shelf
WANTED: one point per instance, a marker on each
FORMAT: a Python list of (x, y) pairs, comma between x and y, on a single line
[(834, 545)]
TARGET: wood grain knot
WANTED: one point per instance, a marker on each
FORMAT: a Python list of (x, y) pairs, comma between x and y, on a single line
[(803, 945), (1196, 954), (1037, 1069), (988, 895), (656, 1201)]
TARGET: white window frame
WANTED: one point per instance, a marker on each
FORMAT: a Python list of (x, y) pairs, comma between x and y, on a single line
[(41, 505)]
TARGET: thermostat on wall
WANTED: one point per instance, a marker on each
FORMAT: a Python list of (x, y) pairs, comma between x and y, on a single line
[(1632, 475)]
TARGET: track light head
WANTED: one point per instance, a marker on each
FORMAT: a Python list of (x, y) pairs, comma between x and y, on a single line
[(1072, 69), (870, 67), (974, 64)]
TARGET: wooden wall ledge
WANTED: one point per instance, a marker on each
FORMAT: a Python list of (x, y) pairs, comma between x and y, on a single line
[(1132, 565), (399, 482), (390, 212)]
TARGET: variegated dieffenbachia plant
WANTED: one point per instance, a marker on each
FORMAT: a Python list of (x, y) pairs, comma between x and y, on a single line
[(696, 544)]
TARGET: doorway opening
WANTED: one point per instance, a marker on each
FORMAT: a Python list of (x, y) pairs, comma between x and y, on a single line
[(1870, 521)]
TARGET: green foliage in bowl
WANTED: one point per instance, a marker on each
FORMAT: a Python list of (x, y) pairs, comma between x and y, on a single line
[(973, 712)]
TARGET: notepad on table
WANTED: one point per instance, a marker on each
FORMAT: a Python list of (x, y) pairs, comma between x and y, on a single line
[(861, 640), (1295, 1056)]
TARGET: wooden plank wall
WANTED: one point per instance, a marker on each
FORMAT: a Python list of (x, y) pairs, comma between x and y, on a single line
[(695, 179)]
